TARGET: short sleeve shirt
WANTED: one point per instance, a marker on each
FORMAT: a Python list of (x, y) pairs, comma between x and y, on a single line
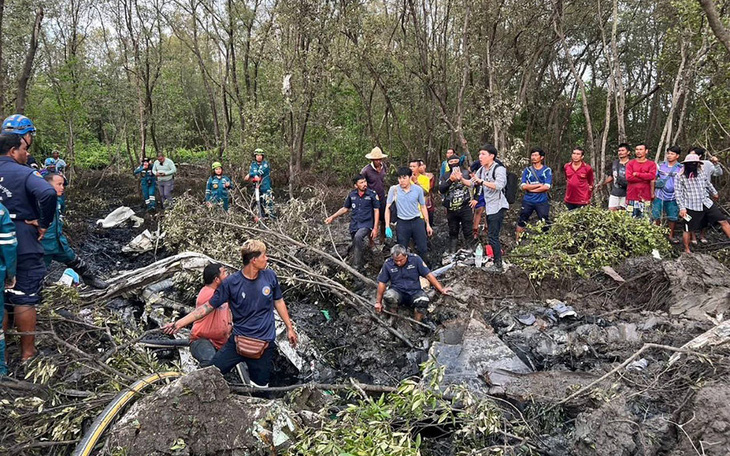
[(362, 207), (532, 175), (407, 203), (251, 303), (404, 279), (618, 172), (376, 179)]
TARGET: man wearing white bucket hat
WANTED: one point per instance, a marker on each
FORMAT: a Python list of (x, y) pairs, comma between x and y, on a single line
[(693, 197)]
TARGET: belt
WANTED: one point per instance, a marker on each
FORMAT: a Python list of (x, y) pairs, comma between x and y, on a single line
[(409, 220)]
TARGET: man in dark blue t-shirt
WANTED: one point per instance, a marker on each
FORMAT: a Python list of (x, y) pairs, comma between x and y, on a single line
[(404, 271), (365, 206), (537, 180), (252, 295)]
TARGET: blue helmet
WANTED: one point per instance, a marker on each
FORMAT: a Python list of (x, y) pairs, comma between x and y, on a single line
[(18, 124), (50, 161)]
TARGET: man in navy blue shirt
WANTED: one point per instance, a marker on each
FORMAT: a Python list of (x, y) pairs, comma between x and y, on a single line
[(404, 271), (365, 206), (31, 202), (252, 295), (537, 179)]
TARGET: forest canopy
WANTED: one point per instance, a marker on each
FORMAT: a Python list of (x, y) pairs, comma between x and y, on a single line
[(319, 83)]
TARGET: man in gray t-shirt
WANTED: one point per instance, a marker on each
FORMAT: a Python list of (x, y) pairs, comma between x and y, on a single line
[(411, 213)]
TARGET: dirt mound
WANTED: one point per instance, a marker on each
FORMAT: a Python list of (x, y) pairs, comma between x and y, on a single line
[(707, 425), (699, 284), (198, 415)]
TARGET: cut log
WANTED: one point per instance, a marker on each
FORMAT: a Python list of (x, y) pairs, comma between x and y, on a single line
[(716, 336)]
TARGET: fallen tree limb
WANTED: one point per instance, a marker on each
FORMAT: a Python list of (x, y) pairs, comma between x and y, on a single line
[(140, 278), (287, 240), (319, 386)]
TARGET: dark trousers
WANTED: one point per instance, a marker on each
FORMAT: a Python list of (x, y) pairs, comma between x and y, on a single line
[(359, 238), (494, 227), (203, 350), (414, 229), (460, 219), (259, 370), (572, 206)]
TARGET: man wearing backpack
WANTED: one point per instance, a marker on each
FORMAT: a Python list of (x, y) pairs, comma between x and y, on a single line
[(492, 178), (617, 176), (665, 201), (537, 180), (641, 174)]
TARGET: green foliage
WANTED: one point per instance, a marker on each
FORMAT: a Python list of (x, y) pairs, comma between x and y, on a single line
[(586, 239), (94, 155), (192, 155), (391, 424)]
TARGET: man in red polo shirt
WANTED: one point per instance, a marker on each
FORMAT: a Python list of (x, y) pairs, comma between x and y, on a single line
[(640, 175), (580, 178)]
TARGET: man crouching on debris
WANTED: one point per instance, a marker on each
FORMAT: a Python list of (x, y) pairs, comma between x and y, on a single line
[(252, 295), (403, 270)]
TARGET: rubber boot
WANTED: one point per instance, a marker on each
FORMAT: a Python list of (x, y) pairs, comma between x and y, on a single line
[(357, 257), (89, 277)]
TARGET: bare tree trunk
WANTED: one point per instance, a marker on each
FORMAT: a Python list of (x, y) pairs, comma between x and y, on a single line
[(232, 63), (713, 17), (610, 89), (620, 92), (2, 72), (676, 93), (28, 67), (557, 23)]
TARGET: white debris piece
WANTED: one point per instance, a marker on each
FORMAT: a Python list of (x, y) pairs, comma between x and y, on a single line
[(143, 242), (119, 216)]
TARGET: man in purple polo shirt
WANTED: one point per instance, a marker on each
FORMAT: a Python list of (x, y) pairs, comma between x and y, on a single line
[(374, 174)]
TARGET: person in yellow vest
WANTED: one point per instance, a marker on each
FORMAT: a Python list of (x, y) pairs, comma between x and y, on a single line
[(422, 181)]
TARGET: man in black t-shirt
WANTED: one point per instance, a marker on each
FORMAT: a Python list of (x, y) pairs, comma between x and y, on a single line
[(617, 175), (454, 186)]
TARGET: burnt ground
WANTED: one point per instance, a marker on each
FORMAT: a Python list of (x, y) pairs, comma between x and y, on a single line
[(612, 322)]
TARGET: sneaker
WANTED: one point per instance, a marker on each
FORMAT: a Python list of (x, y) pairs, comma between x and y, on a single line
[(242, 371), (495, 268)]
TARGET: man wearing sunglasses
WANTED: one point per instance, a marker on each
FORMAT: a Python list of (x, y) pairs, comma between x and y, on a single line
[(31, 202)]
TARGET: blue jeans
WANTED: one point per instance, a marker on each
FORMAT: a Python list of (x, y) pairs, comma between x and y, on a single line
[(259, 370)]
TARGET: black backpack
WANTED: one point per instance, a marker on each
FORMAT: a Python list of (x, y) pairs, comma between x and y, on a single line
[(513, 182)]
